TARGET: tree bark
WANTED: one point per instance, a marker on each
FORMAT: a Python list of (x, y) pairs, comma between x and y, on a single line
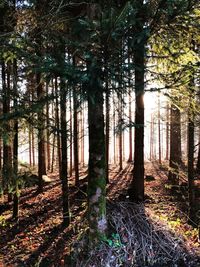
[(7, 144), (137, 186), (75, 137), (175, 145), (15, 146), (96, 172)]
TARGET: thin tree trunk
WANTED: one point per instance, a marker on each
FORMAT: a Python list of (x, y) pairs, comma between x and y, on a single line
[(120, 133), (15, 145), (107, 132), (53, 153), (63, 177), (7, 146), (198, 158), (71, 138), (159, 131), (75, 137), (41, 134), (191, 186), (175, 145), (57, 126), (47, 131), (167, 132), (130, 159)]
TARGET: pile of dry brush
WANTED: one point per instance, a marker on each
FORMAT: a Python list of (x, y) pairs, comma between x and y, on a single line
[(136, 240)]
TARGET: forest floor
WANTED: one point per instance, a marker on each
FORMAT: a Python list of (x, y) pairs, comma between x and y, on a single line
[(39, 239)]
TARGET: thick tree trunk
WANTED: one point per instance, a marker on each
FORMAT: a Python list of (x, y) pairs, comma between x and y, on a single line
[(175, 145), (96, 172), (137, 185)]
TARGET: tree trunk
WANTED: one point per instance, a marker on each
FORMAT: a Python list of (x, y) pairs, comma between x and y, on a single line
[(191, 186), (96, 171), (41, 134), (7, 145), (107, 132), (57, 124), (120, 133), (47, 131), (130, 158), (71, 137), (63, 177), (167, 133), (137, 185), (159, 132), (198, 158), (15, 146), (175, 145), (75, 137)]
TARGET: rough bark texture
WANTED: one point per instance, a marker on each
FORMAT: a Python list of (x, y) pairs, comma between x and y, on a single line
[(175, 145), (137, 187), (96, 172)]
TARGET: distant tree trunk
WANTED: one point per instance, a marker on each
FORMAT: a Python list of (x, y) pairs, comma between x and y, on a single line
[(175, 145), (0, 152), (41, 134), (63, 177), (130, 158), (7, 144), (96, 171), (57, 125), (137, 186), (47, 130), (107, 132), (82, 137), (191, 186), (63, 128), (120, 133), (75, 137), (71, 137), (159, 132), (53, 153), (151, 138), (198, 158), (15, 145), (167, 132), (114, 130)]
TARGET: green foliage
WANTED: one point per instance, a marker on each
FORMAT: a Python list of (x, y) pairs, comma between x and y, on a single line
[(114, 241)]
